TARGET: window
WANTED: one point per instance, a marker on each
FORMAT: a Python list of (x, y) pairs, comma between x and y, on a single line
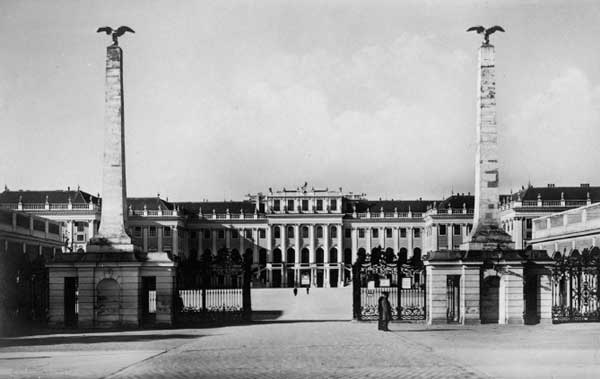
[(442, 230), (262, 233), (388, 233), (304, 205), (417, 233), (402, 232), (528, 223), (361, 233), (221, 234), (277, 232), (137, 231), (152, 231), (277, 205), (248, 233), (375, 233), (348, 233), (234, 233), (456, 230), (80, 227), (319, 205), (305, 232), (290, 206), (319, 232), (290, 231), (207, 234), (333, 232), (80, 237), (167, 231), (333, 204)]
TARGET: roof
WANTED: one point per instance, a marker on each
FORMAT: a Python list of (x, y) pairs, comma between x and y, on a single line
[(149, 202), (457, 202), (555, 193), (53, 196), (218, 206), (388, 205)]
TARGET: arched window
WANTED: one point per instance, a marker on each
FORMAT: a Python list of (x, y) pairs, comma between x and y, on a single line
[(319, 231), (403, 255), (305, 258), (417, 254), (305, 232), (319, 256), (334, 232), (291, 255), (333, 258), (262, 257), (277, 256)]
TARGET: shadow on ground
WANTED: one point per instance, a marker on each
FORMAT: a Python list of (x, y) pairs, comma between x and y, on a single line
[(90, 339)]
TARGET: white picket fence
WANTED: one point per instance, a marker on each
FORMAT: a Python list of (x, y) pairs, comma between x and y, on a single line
[(226, 299)]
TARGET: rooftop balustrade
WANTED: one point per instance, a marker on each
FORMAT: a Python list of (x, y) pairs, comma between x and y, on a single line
[(571, 221)]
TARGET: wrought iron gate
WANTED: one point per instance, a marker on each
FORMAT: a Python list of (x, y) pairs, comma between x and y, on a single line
[(403, 281), (575, 287)]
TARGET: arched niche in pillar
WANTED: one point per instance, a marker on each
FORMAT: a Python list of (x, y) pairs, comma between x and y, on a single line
[(108, 302)]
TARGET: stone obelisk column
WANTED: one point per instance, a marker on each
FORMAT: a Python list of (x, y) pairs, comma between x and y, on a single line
[(114, 195), (486, 228)]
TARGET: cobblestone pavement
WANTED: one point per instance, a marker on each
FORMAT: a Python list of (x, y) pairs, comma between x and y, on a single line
[(312, 349)]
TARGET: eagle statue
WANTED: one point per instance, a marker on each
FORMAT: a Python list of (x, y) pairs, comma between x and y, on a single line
[(116, 33), (486, 32)]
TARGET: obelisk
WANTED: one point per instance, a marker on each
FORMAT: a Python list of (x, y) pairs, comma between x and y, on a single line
[(111, 234), (486, 233)]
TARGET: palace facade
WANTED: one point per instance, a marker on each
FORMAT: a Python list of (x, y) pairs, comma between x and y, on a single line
[(297, 237)]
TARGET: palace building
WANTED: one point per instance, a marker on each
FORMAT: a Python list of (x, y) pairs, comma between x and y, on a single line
[(297, 237)]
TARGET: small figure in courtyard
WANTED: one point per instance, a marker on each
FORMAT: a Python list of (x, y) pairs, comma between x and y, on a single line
[(307, 289), (385, 312), (295, 291)]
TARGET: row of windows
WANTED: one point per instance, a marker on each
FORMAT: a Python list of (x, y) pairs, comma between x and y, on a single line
[(456, 229), (387, 231), (290, 205), (152, 230)]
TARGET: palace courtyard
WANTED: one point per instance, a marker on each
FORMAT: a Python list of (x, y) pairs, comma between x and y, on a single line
[(336, 349)]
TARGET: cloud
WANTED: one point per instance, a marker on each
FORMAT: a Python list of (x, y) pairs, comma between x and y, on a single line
[(552, 137)]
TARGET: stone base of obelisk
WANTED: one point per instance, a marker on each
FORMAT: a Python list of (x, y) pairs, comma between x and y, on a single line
[(104, 288), (488, 237)]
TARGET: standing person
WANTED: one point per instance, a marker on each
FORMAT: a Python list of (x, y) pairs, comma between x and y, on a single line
[(385, 311), (307, 289), (295, 291)]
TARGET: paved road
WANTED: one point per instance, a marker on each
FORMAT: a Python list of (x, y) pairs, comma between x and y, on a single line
[(319, 349)]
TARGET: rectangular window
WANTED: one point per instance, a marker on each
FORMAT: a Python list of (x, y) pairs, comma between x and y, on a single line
[(388, 232), (456, 230), (290, 206), (442, 230), (80, 227), (276, 232), (207, 234), (402, 232), (333, 232), (305, 232), (137, 231), (80, 237), (234, 233), (375, 233), (277, 205), (417, 233), (152, 231), (248, 233), (348, 233), (528, 223), (262, 233), (319, 232), (304, 205), (290, 232), (319, 205), (167, 231), (361, 233), (221, 234), (333, 204)]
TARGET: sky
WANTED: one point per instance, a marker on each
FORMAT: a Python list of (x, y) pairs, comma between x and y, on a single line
[(225, 98)]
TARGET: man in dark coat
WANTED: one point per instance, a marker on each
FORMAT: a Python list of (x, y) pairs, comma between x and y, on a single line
[(385, 312)]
